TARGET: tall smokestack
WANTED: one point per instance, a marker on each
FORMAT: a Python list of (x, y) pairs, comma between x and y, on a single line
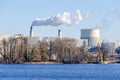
[(31, 31), (59, 33)]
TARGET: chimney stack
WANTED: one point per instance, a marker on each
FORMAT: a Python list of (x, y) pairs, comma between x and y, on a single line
[(59, 33), (31, 31)]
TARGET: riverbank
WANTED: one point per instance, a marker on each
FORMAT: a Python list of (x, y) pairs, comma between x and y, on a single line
[(61, 63), (43, 63)]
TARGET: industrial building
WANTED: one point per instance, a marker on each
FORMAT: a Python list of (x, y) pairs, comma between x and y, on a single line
[(110, 47), (48, 39), (31, 40), (91, 35), (1, 37), (4, 37)]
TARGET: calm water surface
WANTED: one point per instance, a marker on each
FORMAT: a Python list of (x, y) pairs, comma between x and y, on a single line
[(60, 72)]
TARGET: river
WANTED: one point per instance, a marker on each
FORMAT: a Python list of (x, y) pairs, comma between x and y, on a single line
[(59, 72)]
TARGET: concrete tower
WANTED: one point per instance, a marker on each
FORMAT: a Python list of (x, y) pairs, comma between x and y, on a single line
[(92, 35)]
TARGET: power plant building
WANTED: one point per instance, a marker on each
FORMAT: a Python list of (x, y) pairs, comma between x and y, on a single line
[(92, 35), (31, 40)]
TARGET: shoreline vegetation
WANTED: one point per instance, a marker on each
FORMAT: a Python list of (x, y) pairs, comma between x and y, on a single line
[(19, 50)]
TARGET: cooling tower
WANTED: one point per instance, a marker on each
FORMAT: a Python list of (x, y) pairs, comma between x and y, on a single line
[(92, 35)]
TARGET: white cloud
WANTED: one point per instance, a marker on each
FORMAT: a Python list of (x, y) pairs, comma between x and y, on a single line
[(60, 19)]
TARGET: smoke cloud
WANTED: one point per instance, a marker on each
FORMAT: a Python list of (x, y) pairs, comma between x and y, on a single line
[(111, 18), (60, 19)]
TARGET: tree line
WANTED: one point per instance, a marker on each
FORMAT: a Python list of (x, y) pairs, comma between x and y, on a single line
[(17, 51)]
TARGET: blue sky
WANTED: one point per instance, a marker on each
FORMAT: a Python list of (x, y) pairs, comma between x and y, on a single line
[(16, 17)]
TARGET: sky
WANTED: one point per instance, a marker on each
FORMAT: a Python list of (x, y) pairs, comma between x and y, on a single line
[(16, 17)]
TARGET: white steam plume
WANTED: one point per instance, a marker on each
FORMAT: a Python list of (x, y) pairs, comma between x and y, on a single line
[(60, 19)]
